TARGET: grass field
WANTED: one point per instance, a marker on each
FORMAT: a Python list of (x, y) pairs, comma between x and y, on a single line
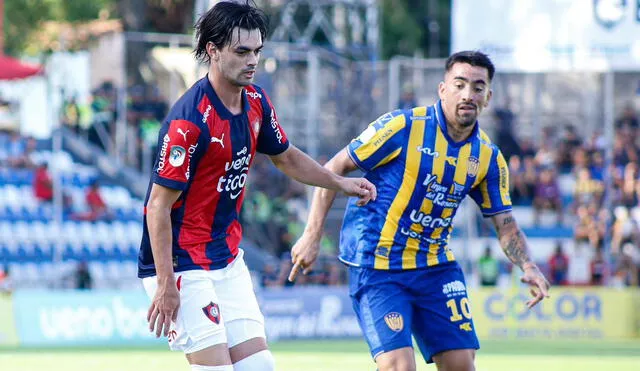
[(341, 356)]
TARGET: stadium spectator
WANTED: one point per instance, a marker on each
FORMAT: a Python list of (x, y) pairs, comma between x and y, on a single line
[(624, 230), (627, 269), (547, 196), (586, 229), (520, 192), (569, 144), (587, 190), (489, 268), (71, 114), (97, 207), (43, 184), (628, 119), (598, 268), (506, 141), (629, 189), (530, 175), (83, 278), (408, 98), (559, 266), (6, 286), (597, 167)]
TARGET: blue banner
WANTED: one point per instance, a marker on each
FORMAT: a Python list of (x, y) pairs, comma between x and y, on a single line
[(86, 318), (73, 318), (308, 312)]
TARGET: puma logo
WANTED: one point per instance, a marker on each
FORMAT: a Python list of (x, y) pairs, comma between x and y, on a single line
[(218, 140), (184, 134)]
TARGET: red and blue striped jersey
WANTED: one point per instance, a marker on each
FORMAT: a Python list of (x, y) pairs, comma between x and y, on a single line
[(206, 152)]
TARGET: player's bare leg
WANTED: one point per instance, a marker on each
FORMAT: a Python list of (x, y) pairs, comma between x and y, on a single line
[(402, 359), (215, 357), (455, 360), (252, 354)]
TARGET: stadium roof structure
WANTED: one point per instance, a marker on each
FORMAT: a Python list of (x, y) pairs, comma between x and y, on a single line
[(13, 69)]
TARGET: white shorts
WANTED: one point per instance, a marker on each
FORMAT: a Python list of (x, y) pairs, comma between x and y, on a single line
[(216, 307)]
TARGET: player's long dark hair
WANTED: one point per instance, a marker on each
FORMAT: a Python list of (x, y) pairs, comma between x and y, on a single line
[(218, 23), (472, 57)]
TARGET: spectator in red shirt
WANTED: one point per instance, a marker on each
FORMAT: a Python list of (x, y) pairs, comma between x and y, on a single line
[(43, 184), (559, 266), (98, 209)]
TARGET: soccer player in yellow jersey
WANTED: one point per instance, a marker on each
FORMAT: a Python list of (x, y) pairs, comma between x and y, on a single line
[(404, 279)]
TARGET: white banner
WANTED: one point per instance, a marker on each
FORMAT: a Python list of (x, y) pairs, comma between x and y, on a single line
[(550, 35)]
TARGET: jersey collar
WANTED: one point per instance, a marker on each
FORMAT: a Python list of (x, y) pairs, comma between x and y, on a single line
[(222, 111), (442, 122)]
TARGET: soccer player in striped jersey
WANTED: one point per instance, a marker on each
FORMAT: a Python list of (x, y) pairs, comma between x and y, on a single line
[(404, 279), (189, 261)]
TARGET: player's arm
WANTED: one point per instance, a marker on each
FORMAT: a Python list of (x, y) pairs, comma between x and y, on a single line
[(305, 251), (514, 245), (161, 199), (299, 166)]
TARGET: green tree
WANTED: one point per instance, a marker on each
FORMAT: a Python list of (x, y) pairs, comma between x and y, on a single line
[(80, 11), (400, 33), (21, 19)]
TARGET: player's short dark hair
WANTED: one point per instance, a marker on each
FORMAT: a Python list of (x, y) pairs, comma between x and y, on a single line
[(472, 57), (218, 23)]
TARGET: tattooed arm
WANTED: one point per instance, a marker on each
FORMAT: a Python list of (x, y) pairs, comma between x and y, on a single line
[(512, 240), (514, 245)]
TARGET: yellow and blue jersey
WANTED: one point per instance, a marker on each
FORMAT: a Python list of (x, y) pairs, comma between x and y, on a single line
[(422, 176)]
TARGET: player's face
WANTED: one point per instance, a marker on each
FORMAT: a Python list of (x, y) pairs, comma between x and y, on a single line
[(465, 92), (238, 60)]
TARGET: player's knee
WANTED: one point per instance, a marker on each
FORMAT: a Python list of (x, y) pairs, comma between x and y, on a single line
[(211, 368), (397, 360), (261, 361), (456, 360)]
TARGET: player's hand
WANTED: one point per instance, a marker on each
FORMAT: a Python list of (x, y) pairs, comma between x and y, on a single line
[(359, 187), (164, 308), (304, 254), (539, 286)]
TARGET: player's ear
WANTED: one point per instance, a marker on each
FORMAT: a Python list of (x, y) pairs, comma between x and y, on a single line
[(489, 95), (441, 90), (212, 51)]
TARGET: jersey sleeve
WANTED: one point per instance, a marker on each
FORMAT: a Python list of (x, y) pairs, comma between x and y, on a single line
[(177, 145), (381, 142), (492, 194), (272, 139)]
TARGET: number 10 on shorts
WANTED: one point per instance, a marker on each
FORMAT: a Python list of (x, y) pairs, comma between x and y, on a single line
[(457, 308)]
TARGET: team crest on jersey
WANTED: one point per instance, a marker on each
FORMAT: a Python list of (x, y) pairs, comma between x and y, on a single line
[(177, 155), (212, 311), (472, 166), (394, 321)]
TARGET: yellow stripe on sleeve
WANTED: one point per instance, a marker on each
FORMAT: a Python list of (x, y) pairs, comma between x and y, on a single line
[(504, 180), (380, 137), (390, 157)]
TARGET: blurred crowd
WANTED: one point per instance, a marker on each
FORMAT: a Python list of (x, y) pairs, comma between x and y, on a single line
[(540, 171), (536, 173)]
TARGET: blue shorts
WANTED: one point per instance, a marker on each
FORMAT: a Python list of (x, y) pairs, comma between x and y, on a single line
[(429, 303)]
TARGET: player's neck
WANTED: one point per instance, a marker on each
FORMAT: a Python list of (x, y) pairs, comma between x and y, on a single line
[(459, 133), (229, 94)]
